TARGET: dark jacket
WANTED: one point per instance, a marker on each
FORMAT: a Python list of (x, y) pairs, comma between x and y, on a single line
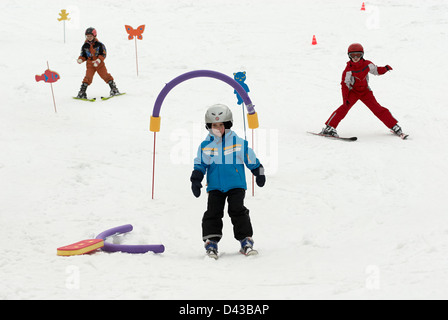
[(93, 50)]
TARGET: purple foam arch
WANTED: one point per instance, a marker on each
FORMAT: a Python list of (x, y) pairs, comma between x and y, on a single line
[(201, 73), (111, 247)]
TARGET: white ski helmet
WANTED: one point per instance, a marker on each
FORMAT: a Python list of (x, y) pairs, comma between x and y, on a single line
[(218, 113)]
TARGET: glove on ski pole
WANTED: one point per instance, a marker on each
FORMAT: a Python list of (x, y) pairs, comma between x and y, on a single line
[(259, 174)]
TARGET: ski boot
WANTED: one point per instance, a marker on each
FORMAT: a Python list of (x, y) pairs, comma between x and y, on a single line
[(82, 91), (211, 248), (247, 247), (396, 129), (329, 131), (113, 88)]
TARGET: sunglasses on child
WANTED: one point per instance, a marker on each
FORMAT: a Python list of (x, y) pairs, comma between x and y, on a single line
[(355, 54)]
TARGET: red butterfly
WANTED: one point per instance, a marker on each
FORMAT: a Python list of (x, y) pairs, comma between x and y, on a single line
[(135, 32)]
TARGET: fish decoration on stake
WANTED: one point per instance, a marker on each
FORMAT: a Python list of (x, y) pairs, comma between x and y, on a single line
[(49, 77)]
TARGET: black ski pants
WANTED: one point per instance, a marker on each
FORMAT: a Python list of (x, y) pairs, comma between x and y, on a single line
[(239, 215)]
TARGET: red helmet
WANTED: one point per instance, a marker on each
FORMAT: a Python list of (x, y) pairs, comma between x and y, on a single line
[(355, 47)]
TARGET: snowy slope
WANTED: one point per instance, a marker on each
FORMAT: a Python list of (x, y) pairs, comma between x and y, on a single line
[(335, 220)]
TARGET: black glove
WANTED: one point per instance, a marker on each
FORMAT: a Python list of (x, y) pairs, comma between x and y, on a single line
[(196, 178), (260, 178)]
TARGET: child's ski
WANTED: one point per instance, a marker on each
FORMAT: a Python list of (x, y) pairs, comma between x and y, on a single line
[(402, 135), (212, 254), (107, 98), (102, 98), (83, 99), (332, 137), (249, 252)]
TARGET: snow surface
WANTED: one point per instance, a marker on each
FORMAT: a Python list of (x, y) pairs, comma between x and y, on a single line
[(335, 220)]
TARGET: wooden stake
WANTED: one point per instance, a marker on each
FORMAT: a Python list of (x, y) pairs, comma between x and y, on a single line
[(253, 176), (153, 164), (244, 121), (136, 56), (245, 138), (52, 92)]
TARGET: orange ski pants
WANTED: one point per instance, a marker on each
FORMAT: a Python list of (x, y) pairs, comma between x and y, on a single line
[(101, 69)]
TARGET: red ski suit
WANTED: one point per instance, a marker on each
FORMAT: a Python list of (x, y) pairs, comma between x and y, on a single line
[(355, 86)]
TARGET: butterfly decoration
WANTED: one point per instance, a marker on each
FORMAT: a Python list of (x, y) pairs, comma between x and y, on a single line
[(135, 32)]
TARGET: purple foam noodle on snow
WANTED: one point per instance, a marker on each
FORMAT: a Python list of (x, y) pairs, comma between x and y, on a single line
[(111, 247), (202, 73)]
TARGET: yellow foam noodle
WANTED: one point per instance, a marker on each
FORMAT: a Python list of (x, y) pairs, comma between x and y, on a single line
[(154, 125), (252, 120)]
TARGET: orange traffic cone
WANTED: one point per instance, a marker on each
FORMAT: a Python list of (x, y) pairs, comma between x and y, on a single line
[(314, 42), (363, 7)]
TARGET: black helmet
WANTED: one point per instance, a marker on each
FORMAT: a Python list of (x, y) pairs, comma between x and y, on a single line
[(91, 31)]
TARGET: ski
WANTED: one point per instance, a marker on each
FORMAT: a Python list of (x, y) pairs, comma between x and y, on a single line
[(332, 137), (249, 252), (107, 98), (212, 254), (402, 135), (84, 99)]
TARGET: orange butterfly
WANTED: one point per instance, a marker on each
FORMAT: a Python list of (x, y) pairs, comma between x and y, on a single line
[(135, 32)]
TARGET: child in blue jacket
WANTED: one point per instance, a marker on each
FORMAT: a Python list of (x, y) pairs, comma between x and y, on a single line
[(222, 156)]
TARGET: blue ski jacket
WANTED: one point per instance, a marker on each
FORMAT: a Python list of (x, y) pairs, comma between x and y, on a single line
[(223, 160)]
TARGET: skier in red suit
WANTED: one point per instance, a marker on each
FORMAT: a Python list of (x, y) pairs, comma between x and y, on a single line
[(355, 86)]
